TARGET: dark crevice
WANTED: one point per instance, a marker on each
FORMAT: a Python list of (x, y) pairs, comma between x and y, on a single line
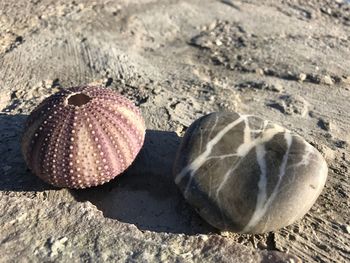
[(271, 242), (230, 3), (109, 82), (55, 83), (18, 41)]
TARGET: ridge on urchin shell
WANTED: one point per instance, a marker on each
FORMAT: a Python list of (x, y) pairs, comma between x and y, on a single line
[(82, 136)]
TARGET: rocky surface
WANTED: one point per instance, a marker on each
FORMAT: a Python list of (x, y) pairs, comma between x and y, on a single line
[(284, 61), (247, 175)]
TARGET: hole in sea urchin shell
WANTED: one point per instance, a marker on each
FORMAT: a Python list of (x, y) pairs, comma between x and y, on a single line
[(78, 99)]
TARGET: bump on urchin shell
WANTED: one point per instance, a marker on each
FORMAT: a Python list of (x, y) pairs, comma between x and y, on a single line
[(82, 137)]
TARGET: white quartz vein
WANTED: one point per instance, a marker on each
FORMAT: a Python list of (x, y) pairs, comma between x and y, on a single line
[(201, 141), (247, 132), (202, 158), (214, 126), (222, 156), (244, 148), (260, 155), (307, 156), (263, 203)]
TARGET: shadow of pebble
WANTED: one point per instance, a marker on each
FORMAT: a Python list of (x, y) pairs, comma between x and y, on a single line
[(14, 174), (146, 195)]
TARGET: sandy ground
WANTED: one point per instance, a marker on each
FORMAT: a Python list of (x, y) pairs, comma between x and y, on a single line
[(286, 61)]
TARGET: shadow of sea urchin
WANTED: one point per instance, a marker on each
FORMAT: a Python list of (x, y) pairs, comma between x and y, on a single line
[(82, 137)]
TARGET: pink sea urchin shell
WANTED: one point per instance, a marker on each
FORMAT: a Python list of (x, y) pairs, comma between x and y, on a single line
[(82, 137)]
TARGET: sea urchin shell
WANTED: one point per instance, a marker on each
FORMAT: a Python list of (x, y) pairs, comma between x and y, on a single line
[(82, 137)]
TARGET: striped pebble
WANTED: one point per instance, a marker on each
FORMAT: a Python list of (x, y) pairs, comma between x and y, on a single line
[(248, 175)]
